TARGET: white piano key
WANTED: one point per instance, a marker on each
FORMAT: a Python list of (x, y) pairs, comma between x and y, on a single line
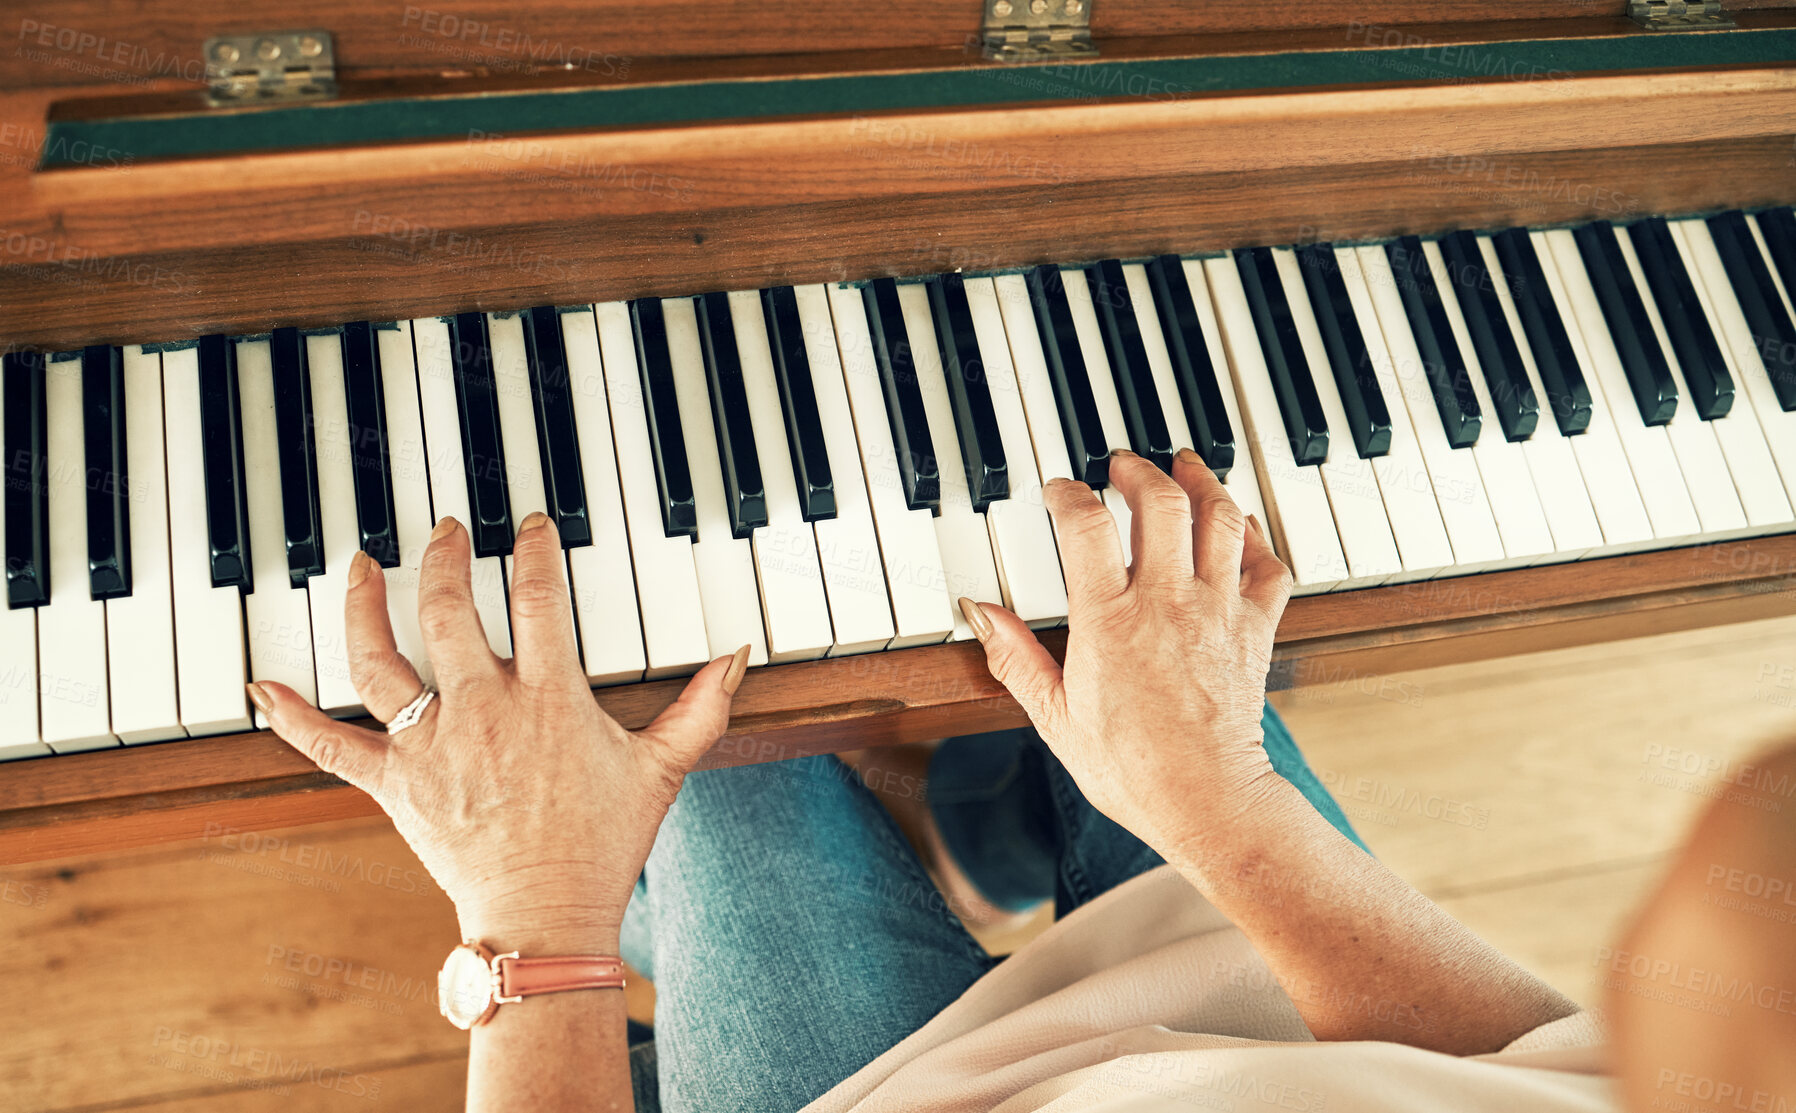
[(1297, 511), (1353, 495), (1103, 389), (71, 628), (337, 519), (962, 533), (1601, 463), (667, 587), (210, 667), (1558, 480), (19, 734), (1754, 392), (1650, 456), (785, 549), (517, 419), (604, 585), (922, 611), (140, 627), (726, 564), (1502, 464), (1402, 474), (277, 615), (1022, 537), (860, 611), (447, 465), (1738, 432), (1243, 481), (1699, 456), (1453, 473), (407, 466), (1034, 387)]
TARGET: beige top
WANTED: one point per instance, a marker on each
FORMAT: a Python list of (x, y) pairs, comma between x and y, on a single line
[(1148, 998)]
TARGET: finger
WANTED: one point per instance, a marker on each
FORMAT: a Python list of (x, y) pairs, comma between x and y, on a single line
[(1160, 519), (1018, 661), (542, 617), (453, 636), (695, 721), (1090, 550), (357, 755), (384, 680), (1265, 581), (1218, 528)]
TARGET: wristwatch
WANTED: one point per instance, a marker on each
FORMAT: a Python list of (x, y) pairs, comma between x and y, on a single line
[(474, 981)]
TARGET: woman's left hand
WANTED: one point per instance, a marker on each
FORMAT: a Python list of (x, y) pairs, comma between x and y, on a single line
[(532, 808)]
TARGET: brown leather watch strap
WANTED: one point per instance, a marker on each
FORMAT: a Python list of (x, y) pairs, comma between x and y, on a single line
[(526, 977)]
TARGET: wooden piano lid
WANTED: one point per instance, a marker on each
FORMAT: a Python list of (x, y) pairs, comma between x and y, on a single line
[(758, 147)]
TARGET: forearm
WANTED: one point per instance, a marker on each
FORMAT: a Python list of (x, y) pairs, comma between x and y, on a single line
[(555, 1052), (1361, 953)]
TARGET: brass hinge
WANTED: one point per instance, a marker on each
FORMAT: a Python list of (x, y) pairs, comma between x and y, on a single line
[(270, 66), (1679, 15), (1037, 30)]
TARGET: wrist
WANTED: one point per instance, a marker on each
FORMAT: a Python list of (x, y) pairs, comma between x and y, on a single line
[(542, 933)]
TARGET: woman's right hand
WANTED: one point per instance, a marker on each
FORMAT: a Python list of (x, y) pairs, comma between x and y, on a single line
[(1156, 713)]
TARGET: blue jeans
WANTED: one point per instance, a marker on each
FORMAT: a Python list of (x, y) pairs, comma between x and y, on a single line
[(793, 936)]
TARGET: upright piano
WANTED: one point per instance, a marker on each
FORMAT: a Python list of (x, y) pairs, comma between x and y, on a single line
[(785, 314)]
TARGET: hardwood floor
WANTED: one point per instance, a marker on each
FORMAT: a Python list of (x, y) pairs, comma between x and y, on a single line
[(294, 970)]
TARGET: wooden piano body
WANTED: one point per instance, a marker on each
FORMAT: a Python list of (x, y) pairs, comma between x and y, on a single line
[(498, 157)]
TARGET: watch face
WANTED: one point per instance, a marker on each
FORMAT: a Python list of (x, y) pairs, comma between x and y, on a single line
[(465, 987)]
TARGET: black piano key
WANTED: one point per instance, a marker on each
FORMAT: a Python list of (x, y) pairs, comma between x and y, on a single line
[(1693, 342), (1511, 394), (1368, 419), (896, 359), (667, 440), (743, 490), (221, 452), (1778, 226), (364, 393), (1441, 360), (27, 494), (477, 398), (294, 447), (1135, 391), (969, 392), (108, 502), (1199, 391), (798, 404), (1649, 377), (564, 485), (1560, 375), (1298, 403), (1773, 330), (1085, 443)]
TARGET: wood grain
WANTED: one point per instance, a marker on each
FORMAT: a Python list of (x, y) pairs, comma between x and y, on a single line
[(79, 803), (179, 249), (132, 43)]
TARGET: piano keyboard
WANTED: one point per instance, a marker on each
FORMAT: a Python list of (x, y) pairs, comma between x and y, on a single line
[(823, 471)]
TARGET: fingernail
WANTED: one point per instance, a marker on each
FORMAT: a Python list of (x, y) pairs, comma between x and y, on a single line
[(536, 519), (732, 678), (359, 566), (1257, 527), (1121, 452), (1188, 456), (258, 695), (444, 528), (976, 618)]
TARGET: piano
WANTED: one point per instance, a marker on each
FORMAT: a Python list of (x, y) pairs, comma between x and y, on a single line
[(786, 317)]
